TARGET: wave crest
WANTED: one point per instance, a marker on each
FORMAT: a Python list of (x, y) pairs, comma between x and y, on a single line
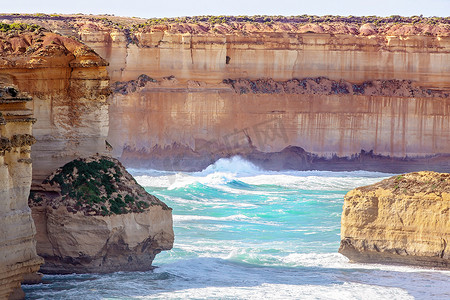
[(235, 165)]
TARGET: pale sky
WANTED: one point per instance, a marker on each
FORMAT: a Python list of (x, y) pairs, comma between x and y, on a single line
[(178, 8)]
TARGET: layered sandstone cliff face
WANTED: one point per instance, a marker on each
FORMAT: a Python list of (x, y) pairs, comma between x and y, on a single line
[(17, 245), (69, 84), (401, 220), (190, 127), (195, 113), (380, 100), (92, 216)]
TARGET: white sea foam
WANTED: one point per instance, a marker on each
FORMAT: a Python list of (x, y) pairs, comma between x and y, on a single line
[(305, 181), (235, 165), (162, 181), (213, 278), (244, 168), (233, 218), (338, 261), (181, 180), (287, 291), (226, 170), (184, 218)]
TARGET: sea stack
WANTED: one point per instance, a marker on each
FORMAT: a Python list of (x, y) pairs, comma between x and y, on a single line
[(91, 216), (401, 220)]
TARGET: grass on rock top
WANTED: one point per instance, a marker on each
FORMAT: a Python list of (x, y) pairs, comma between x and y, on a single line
[(4, 27), (94, 185), (302, 19)]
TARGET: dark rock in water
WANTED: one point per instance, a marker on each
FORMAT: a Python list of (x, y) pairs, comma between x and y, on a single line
[(32, 278)]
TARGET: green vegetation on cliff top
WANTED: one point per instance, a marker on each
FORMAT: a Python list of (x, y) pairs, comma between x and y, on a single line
[(19, 27), (130, 23), (97, 187), (303, 19)]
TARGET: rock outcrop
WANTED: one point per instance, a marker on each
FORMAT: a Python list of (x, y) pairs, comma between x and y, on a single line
[(82, 226), (92, 216), (17, 245), (69, 84), (401, 220)]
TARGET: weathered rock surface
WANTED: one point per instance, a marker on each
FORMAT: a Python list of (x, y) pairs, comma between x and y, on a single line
[(69, 84), (169, 125), (401, 220), (336, 87), (285, 86), (92, 216), (17, 245), (285, 54)]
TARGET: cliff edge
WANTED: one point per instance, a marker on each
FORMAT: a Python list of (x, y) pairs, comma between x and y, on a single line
[(92, 217), (17, 245), (69, 84), (401, 220)]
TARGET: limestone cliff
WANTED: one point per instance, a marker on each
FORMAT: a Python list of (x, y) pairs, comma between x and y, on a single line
[(401, 220), (69, 84), (375, 92), (92, 216), (17, 245), (169, 125), (352, 97)]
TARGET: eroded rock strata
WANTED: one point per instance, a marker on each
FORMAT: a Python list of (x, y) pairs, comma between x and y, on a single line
[(391, 126), (69, 84), (92, 216), (332, 95), (197, 89), (306, 92), (17, 245), (401, 220), (112, 226)]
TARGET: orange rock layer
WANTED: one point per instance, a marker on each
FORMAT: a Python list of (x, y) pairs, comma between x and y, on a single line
[(191, 105), (203, 91), (69, 84)]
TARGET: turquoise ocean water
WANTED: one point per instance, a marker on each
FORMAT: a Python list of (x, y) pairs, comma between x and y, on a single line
[(245, 233)]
